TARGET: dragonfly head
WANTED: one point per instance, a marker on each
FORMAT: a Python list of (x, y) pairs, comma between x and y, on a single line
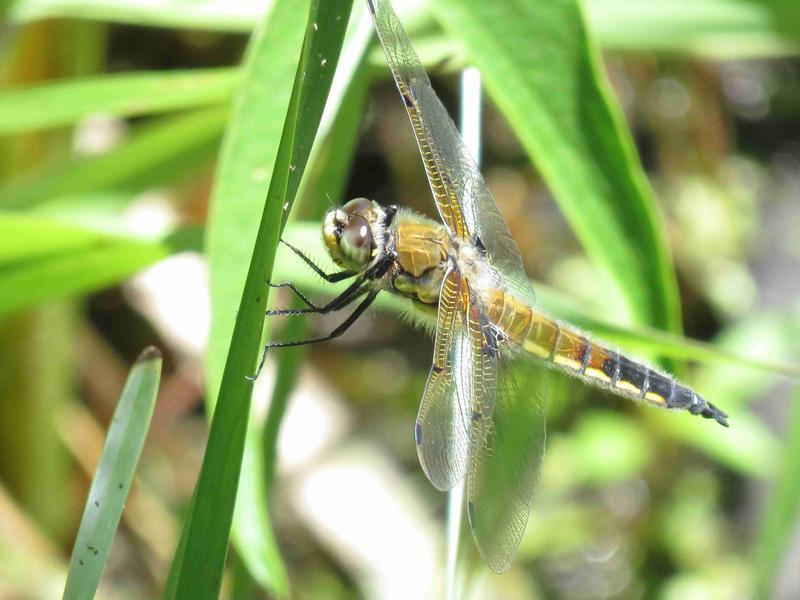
[(351, 231)]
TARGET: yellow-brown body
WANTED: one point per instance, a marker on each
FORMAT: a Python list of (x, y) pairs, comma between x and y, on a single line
[(423, 250)]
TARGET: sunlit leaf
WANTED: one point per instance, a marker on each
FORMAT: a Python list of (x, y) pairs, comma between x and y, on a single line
[(65, 102), (545, 75), (197, 567), (112, 479), (42, 259), (154, 153)]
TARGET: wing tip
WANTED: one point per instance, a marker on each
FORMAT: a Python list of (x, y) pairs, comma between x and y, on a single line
[(498, 562)]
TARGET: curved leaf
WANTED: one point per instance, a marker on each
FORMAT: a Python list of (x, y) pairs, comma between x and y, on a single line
[(64, 102), (112, 479), (238, 239), (544, 74), (70, 259)]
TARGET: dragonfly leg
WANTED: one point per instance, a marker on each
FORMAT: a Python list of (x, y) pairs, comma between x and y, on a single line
[(342, 300), (293, 287), (344, 326), (329, 277)]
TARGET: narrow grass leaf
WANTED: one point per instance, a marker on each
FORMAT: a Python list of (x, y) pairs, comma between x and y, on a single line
[(248, 154), (545, 75), (153, 153), (231, 15), (724, 29), (24, 238), (324, 180), (201, 564), (64, 102), (41, 259), (112, 479)]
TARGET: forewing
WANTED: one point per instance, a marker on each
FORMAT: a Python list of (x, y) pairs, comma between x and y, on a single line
[(506, 450), (442, 428), (462, 198)]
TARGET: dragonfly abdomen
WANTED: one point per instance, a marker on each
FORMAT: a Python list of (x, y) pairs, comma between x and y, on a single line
[(591, 361)]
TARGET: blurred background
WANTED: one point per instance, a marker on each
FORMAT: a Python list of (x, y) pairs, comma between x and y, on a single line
[(632, 502)]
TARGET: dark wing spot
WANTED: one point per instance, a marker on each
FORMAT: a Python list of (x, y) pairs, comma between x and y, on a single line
[(418, 433), (479, 245)]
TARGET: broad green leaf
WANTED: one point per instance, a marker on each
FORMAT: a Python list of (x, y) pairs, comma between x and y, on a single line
[(248, 154), (779, 514), (545, 75), (23, 238), (231, 15), (112, 479), (41, 259), (197, 568), (326, 177), (710, 28), (153, 153), (65, 102)]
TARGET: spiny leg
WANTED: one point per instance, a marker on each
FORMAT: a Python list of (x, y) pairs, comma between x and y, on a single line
[(293, 287), (342, 300), (344, 326), (329, 277)]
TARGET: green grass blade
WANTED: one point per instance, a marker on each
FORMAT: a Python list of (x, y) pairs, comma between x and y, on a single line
[(722, 29), (199, 14), (780, 513), (113, 477), (42, 259), (545, 75), (155, 152), (65, 102), (201, 564), (249, 150), (727, 29)]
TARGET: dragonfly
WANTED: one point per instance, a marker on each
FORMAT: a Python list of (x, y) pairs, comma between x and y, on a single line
[(482, 414)]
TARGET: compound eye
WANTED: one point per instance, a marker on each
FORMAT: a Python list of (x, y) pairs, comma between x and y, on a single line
[(359, 206), (357, 236)]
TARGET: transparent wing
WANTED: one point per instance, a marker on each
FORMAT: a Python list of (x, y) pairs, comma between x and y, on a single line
[(462, 198), (442, 428), (506, 448)]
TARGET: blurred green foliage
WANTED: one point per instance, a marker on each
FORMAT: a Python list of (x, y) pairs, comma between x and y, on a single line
[(112, 117)]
